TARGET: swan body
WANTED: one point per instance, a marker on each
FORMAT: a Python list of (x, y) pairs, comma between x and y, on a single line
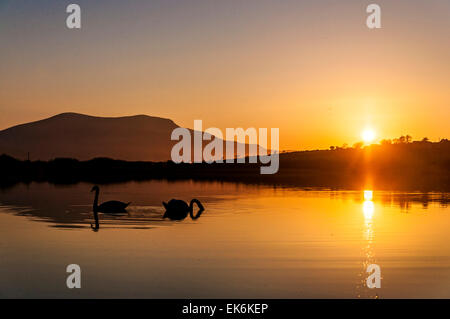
[(110, 207), (178, 209)]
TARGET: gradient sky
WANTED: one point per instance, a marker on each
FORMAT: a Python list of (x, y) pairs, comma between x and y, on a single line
[(311, 68)]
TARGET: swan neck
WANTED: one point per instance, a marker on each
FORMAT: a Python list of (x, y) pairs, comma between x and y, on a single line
[(191, 208)]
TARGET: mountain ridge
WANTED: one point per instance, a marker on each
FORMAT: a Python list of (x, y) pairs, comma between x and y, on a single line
[(74, 115), (74, 135)]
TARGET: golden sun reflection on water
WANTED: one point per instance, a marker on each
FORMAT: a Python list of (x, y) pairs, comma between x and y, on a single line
[(368, 211), (368, 195), (368, 208)]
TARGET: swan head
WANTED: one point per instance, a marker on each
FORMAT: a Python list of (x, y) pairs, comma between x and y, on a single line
[(95, 188)]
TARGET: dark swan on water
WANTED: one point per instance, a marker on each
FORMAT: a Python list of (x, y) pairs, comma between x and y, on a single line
[(110, 207), (178, 209)]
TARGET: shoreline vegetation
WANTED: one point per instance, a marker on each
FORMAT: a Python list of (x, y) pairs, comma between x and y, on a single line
[(392, 165)]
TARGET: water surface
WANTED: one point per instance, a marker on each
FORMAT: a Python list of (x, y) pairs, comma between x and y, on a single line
[(251, 242)]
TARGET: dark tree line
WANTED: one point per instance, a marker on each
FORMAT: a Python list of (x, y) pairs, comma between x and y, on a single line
[(399, 164)]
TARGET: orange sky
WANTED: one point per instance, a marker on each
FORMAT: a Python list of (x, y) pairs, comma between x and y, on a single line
[(312, 69)]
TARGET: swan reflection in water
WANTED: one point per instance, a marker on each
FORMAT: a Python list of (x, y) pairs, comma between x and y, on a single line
[(178, 209), (112, 207)]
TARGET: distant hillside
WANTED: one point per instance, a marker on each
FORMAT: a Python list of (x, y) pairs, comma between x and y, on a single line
[(83, 137)]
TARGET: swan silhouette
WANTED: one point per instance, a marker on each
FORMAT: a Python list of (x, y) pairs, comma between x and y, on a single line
[(178, 209), (110, 207)]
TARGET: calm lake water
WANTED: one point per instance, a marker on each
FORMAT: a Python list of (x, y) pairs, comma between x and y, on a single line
[(251, 242)]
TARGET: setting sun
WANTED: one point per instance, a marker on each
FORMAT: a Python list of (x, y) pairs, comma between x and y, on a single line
[(368, 135)]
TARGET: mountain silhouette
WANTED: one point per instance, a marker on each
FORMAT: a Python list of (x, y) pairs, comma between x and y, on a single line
[(83, 137)]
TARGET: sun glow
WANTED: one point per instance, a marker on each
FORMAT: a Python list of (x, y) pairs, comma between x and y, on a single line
[(368, 135)]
